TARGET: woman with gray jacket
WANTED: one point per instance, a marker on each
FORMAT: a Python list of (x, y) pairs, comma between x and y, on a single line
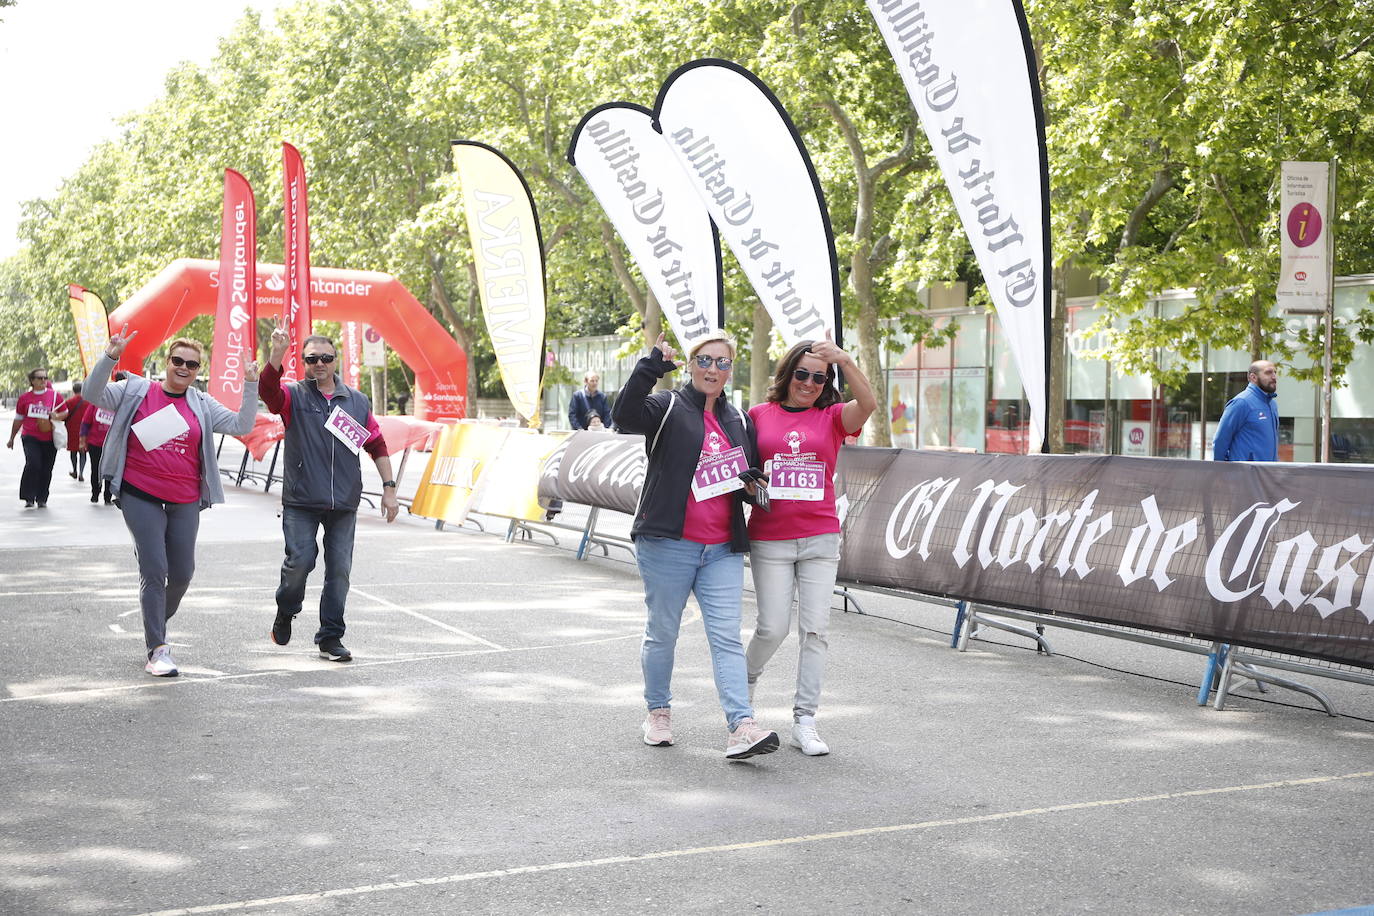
[(160, 461)]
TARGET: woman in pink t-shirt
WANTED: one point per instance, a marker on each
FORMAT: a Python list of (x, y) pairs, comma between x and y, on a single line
[(795, 547), (159, 457), (34, 415)]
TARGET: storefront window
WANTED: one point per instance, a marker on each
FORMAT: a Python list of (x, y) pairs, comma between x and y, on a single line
[(1008, 414), (1085, 418)]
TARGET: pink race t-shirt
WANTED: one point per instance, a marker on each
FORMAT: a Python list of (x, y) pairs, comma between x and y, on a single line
[(708, 522), (97, 422), (31, 406), (171, 472), (813, 435)]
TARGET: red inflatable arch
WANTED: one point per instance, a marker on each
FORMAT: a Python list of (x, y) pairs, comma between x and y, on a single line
[(187, 288)]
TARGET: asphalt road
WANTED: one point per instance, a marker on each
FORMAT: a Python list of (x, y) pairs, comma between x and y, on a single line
[(482, 751)]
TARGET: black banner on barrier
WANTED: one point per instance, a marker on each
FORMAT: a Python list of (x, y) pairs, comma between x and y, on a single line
[(1269, 556), (601, 469)]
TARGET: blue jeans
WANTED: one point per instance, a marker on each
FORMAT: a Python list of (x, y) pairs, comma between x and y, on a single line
[(671, 571), (300, 526)]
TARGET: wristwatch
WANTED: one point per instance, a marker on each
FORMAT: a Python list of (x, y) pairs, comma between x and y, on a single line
[(389, 483)]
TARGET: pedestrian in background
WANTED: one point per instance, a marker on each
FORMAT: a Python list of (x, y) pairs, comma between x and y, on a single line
[(689, 531), (795, 547), (159, 457), (1249, 427), (75, 406), (95, 426), (589, 408), (34, 415)]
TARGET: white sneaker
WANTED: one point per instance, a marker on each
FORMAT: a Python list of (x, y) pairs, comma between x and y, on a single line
[(805, 738), (657, 728), (160, 663)]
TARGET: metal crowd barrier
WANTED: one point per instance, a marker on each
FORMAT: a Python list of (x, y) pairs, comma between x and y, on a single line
[(1225, 662)]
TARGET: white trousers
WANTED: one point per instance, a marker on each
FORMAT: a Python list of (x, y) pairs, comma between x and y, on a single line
[(804, 569)]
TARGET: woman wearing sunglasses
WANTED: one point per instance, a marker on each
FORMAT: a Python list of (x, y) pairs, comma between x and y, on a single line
[(689, 530), (37, 410), (795, 547), (159, 458)]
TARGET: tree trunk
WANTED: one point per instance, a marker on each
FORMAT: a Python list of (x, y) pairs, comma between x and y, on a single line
[(878, 431), (760, 366), (1257, 312), (1058, 364)]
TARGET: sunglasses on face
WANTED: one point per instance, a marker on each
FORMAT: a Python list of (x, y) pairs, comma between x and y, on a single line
[(39, 378), (802, 375), (723, 363), (314, 358), (177, 361)]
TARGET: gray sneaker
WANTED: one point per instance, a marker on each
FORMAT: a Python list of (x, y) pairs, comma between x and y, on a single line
[(160, 663)]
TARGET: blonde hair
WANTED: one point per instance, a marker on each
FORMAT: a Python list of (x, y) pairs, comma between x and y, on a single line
[(189, 344), (719, 334)]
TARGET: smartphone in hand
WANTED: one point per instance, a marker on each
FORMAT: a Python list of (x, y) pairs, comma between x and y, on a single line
[(760, 482)]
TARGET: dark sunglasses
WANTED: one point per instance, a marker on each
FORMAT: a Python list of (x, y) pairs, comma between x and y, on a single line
[(802, 375), (39, 378), (191, 364), (314, 358), (723, 363)]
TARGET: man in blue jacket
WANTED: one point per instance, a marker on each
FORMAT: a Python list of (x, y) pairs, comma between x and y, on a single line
[(589, 402), (1249, 427)]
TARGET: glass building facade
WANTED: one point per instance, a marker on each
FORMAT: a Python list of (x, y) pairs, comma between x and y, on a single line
[(966, 394)]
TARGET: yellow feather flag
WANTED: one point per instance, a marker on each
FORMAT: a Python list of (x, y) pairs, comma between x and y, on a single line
[(92, 324)]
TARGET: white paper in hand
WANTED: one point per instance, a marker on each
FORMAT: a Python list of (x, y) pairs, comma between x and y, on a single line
[(157, 428)]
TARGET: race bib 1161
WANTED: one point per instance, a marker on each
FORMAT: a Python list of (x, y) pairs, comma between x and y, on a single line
[(717, 474)]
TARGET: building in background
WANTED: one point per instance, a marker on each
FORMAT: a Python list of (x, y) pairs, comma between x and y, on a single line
[(966, 394)]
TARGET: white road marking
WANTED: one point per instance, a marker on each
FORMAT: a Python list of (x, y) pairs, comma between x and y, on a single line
[(125, 590), (756, 844), (116, 627), (332, 668), (418, 616)]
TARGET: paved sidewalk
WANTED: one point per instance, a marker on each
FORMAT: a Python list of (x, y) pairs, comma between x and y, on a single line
[(482, 752)]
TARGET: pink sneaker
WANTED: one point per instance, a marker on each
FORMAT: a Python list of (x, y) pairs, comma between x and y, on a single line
[(657, 728), (749, 740)]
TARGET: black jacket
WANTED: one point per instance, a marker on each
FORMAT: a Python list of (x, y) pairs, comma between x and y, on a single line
[(673, 425)]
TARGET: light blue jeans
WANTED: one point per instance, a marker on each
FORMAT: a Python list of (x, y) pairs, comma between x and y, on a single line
[(671, 571)]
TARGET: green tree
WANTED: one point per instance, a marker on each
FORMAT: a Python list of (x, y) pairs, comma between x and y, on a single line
[(1168, 122)]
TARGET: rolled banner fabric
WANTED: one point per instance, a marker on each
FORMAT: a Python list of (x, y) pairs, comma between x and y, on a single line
[(296, 258), (92, 324), (236, 311), (663, 222), (969, 69), (508, 249), (747, 164)]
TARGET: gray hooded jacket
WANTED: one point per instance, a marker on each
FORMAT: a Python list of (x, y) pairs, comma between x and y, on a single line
[(124, 398)]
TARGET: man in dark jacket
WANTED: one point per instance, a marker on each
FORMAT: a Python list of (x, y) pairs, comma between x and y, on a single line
[(589, 402), (327, 425)]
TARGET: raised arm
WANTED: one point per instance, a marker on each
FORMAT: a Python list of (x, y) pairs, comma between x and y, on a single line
[(97, 388), (635, 411), (857, 411), (224, 420)]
